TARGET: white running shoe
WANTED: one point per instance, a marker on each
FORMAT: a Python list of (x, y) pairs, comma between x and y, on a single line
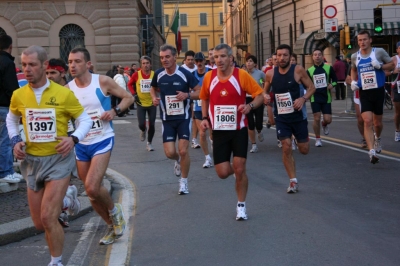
[(183, 188), (19, 176), (260, 136), (318, 143), (241, 214), (195, 144), (294, 144), (11, 178), (72, 194), (143, 135), (279, 144), (372, 157), (293, 187), (254, 148), (377, 145), (326, 129), (207, 163), (56, 264), (177, 169), (149, 147), (397, 136)]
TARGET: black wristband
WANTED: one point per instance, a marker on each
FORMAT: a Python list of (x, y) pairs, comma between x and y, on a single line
[(205, 117), (75, 139)]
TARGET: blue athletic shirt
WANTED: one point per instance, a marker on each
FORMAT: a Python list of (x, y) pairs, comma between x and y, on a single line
[(364, 65), (181, 80), (197, 103)]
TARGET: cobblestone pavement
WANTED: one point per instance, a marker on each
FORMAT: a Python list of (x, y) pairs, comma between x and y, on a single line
[(14, 204)]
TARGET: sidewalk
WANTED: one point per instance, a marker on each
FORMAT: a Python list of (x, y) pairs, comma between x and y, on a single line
[(15, 220)]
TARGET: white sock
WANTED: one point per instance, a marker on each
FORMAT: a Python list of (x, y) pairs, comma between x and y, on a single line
[(55, 260), (208, 157), (293, 180), (113, 211), (66, 203), (183, 180)]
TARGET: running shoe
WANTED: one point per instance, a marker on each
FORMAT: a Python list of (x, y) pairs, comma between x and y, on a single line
[(254, 148), (241, 214), (377, 145), (260, 136), (118, 221), (109, 237), (63, 219), (11, 178), (183, 188), (318, 143), (72, 194), (363, 143), (149, 147), (177, 169), (397, 136), (293, 187), (294, 144), (18, 175), (142, 135), (195, 144), (372, 157), (207, 163), (326, 129), (279, 144)]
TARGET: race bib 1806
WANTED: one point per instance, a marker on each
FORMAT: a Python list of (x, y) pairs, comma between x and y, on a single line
[(173, 105), (41, 124), (225, 117)]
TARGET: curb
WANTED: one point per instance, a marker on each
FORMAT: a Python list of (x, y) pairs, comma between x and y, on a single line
[(23, 228)]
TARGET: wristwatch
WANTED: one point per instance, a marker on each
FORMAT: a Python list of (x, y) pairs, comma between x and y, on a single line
[(251, 106), (117, 110), (75, 139)]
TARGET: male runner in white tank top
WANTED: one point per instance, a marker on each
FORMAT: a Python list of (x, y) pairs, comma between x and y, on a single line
[(93, 152)]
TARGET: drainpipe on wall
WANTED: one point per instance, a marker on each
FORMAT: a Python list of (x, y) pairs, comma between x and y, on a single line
[(295, 19), (273, 25), (321, 13), (259, 52)]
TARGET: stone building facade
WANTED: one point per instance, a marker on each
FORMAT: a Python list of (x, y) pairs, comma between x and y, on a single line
[(110, 30)]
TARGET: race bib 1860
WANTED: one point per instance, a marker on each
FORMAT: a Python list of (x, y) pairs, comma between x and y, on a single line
[(225, 117), (145, 85), (173, 105), (41, 124)]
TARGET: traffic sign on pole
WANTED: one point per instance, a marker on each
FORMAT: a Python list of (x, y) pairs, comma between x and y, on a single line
[(331, 25)]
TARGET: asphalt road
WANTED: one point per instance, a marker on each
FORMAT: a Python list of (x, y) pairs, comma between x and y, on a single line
[(346, 213)]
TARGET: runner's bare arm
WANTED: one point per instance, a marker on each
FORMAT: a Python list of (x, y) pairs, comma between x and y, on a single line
[(154, 96), (302, 77), (204, 110), (112, 88), (267, 86)]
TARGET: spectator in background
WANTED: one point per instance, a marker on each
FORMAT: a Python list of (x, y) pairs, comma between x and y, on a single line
[(188, 62), (133, 69), (8, 84), (340, 70)]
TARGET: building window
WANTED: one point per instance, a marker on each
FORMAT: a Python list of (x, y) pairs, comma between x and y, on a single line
[(221, 18), (71, 36), (279, 36), (204, 44), (183, 19), (221, 39), (203, 19), (301, 27), (185, 45), (272, 42), (291, 35), (2, 32), (166, 20)]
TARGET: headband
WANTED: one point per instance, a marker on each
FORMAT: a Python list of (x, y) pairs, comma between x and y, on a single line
[(58, 68)]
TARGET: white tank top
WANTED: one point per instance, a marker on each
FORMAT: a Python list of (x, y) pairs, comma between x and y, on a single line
[(95, 103)]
